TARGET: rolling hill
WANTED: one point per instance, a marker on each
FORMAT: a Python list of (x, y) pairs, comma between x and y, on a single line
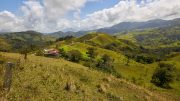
[(16, 41), (154, 38), (134, 53), (135, 72)]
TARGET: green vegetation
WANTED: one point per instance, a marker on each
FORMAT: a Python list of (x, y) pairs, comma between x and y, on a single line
[(4, 46), (154, 38), (131, 66), (58, 79), (163, 75), (74, 55), (18, 41), (91, 52), (136, 63)]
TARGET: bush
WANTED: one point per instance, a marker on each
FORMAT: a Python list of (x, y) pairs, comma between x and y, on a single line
[(74, 55), (164, 75), (39, 53), (90, 63), (106, 64), (144, 59), (91, 52), (63, 53)]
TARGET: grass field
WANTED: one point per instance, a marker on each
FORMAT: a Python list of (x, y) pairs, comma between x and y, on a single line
[(137, 73), (40, 78)]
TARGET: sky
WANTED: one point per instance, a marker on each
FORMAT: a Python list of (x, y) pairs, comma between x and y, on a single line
[(73, 15)]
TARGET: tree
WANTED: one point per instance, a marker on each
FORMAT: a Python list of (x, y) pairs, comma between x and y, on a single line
[(24, 51), (63, 53), (74, 55), (105, 63), (39, 53), (91, 52), (164, 75)]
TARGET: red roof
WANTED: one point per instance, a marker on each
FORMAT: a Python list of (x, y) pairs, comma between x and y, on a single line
[(53, 51)]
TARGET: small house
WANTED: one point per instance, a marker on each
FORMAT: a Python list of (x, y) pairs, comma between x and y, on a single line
[(51, 52)]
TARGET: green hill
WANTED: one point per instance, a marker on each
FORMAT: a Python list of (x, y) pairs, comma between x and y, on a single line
[(135, 72), (4, 45), (132, 59), (100, 39), (19, 40), (57, 79)]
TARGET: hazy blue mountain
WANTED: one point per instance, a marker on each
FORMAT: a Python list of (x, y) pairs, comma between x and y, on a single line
[(121, 27), (127, 26)]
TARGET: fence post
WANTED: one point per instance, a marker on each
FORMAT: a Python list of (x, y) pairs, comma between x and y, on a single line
[(8, 76)]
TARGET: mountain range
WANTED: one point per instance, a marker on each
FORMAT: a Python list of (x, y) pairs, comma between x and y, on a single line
[(124, 27)]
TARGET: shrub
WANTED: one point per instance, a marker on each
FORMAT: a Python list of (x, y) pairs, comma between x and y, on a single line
[(112, 46), (74, 55), (106, 64), (63, 53), (39, 53), (144, 59), (90, 63), (91, 52), (163, 75)]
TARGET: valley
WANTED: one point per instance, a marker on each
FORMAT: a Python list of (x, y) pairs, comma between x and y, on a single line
[(94, 65)]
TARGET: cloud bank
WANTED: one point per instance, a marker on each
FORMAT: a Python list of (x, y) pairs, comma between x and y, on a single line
[(51, 15)]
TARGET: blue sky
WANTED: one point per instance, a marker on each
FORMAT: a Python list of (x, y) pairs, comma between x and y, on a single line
[(74, 15), (10, 5), (90, 7)]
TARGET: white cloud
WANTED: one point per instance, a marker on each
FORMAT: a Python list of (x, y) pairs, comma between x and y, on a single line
[(129, 10), (9, 22), (50, 15)]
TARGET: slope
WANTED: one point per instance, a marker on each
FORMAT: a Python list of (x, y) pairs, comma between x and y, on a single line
[(57, 79), (135, 72)]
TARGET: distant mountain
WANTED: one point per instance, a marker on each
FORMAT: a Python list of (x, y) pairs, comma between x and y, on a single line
[(154, 38), (127, 26), (121, 27), (69, 33)]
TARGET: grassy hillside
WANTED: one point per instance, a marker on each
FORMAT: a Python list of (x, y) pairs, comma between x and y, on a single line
[(100, 39), (4, 45), (125, 74), (57, 79), (140, 74)]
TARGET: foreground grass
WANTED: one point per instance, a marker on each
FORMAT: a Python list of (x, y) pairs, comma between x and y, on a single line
[(40, 78)]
